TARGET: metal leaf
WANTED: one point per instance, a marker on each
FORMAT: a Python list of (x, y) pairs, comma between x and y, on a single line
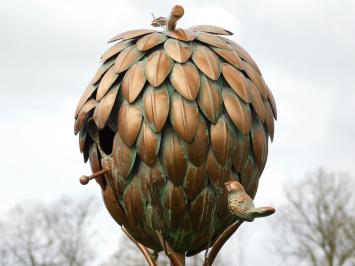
[(134, 203), (198, 148), (213, 40), (238, 111), (257, 102), (230, 56), (123, 157), (89, 91), (127, 58), (222, 140), (95, 164), (201, 209), (182, 35), (115, 49), (210, 99), (272, 102), (113, 206), (237, 82), (174, 202), (259, 142), (184, 117), (158, 67), (148, 144), (102, 70), (207, 61), (129, 123), (178, 50), (245, 56), (211, 29), (174, 159), (215, 172), (269, 120), (103, 110), (88, 106), (242, 152), (131, 34), (195, 181), (186, 80), (156, 106), (106, 82), (257, 79), (151, 40), (133, 81)]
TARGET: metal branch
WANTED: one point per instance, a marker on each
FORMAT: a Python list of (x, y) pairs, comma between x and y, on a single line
[(220, 242), (143, 249), (176, 259)]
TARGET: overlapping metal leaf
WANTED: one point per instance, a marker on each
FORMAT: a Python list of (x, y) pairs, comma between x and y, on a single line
[(177, 113)]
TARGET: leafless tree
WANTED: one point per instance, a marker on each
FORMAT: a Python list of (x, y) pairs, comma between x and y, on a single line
[(47, 235), (317, 225)]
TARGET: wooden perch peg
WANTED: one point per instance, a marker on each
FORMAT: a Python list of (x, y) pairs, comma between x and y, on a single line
[(84, 179)]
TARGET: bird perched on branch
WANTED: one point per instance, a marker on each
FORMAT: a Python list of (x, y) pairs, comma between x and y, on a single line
[(241, 205)]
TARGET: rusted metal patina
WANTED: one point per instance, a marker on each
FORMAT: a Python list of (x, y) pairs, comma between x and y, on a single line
[(167, 120)]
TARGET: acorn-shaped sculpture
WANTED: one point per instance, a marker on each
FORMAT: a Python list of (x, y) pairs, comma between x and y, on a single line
[(169, 117)]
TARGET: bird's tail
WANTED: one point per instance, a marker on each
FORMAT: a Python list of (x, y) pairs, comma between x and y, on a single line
[(262, 212)]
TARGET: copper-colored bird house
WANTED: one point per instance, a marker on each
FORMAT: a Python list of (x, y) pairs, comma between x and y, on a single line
[(170, 116)]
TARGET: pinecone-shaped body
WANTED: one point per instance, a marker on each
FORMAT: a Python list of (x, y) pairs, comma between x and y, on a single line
[(173, 115)]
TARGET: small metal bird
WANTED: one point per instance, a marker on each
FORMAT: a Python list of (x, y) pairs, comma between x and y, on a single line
[(241, 205)]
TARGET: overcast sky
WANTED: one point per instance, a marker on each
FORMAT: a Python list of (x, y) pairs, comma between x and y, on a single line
[(49, 50)]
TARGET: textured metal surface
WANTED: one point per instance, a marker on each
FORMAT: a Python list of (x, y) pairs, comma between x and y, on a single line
[(175, 114)]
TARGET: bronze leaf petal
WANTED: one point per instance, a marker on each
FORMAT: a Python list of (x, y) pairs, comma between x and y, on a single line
[(129, 123), (257, 79), (242, 152), (87, 107), (103, 110), (106, 82), (207, 61), (133, 82), (184, 117), (212, 40), (201, 209), (259, 141), (89, 91), (134, 202), (174, 159), (272, 102), (95, 164), (269, 120), (174, 201), (195, 181), (230, 56), (102, 69), (123, 157), (156, 106), (115, 49), (186, 80), (178, 50), (210, 99), (238, 111), (131, 34), (127, 58), (215, 172), (158, 67), (236, 81), (113, 207), (211, 29), (257, 102), (222, 140), (198, 148), (151, 40), (148, 144), (182, 35), (245, 56)]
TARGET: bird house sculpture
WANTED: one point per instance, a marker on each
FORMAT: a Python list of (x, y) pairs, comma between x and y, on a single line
[(175, 124)]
